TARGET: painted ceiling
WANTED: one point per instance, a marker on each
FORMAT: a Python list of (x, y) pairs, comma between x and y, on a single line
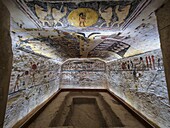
[(84, 29)]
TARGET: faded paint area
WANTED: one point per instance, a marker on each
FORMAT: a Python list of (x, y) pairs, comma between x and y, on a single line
[(120, 29), (140, 81), (66, 30), (144, 37), (33, 80), (83, 74), (112, 14)]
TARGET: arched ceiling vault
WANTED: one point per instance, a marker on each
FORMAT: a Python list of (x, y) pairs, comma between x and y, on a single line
[(107, 29)]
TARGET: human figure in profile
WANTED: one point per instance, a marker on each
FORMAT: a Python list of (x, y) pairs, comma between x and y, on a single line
[(153, 61), (82, 19), (147, 63), (150, 62), (17, 83), (134, 74), (159, 64), (142, 63)]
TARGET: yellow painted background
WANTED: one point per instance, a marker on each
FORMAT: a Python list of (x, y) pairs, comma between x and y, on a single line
[(91, 17)]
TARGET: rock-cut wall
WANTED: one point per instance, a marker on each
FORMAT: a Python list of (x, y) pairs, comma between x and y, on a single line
[(140, 81), (33, 80), (83, 74)]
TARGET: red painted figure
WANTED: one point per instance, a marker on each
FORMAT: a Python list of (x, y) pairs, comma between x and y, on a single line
[(153, 61), (33, 67), (150, 63)]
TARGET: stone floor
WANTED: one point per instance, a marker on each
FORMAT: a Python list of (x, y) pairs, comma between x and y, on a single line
[(85, 110)]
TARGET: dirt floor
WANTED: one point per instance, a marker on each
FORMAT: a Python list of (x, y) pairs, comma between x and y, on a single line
[(85, 110)]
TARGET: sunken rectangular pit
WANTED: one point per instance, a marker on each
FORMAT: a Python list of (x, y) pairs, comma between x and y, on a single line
[(85, 109), (84, 112)]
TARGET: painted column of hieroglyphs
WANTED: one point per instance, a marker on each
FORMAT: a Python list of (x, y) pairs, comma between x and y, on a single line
[(33, 80), (83, 74), (140, 81)]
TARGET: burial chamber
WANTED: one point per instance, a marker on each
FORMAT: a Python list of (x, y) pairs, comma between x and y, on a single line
[(28, 104), (133, 68)]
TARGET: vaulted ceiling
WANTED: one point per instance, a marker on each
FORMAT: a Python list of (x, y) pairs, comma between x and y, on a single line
[(107, 29)]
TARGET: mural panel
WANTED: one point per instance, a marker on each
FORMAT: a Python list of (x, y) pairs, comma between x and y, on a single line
[(65, 45), (92, 24), (58, 47), (83, 74), (72, 14), (112, 46), (82, 17), (33, 80), (140, 81)]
